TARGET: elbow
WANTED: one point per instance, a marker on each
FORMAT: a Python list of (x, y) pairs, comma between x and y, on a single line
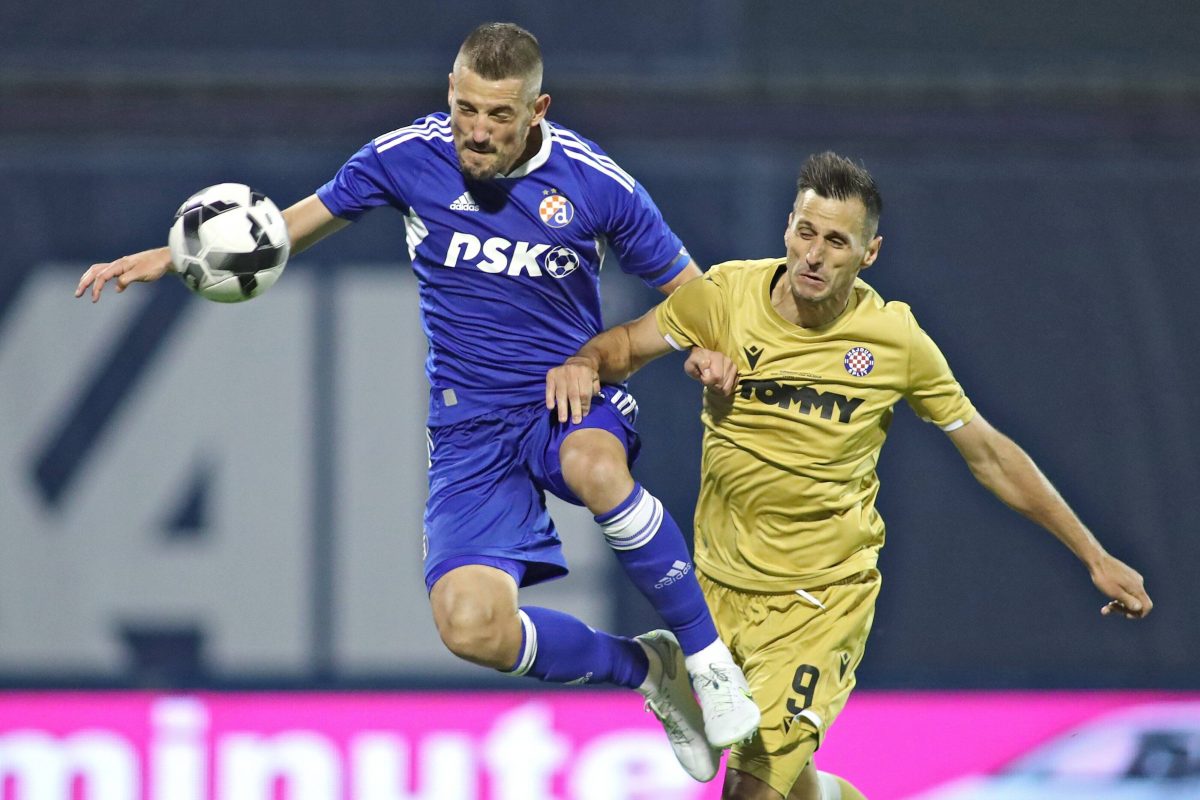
[(987, 473), (990, 467)]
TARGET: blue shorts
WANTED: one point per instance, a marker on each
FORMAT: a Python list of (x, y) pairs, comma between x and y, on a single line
[(488, 478)]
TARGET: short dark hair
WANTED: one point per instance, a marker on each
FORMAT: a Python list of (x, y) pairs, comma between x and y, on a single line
[(499, 50), (838, 178)]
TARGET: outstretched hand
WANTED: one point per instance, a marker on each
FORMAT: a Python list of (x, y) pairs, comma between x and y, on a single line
[(570, 388), (715, 370), (1124, 586), (148, 265)]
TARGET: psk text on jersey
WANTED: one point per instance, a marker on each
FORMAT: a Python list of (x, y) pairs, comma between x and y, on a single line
[(497, 255)]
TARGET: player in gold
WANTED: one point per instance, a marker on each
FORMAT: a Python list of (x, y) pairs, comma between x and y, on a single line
[(787, 534)]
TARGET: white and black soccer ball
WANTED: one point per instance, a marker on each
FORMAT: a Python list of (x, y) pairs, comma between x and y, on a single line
[(229, 243), (561, 261)]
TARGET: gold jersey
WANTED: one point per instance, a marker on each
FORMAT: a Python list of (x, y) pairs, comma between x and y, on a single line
[(788, 483)]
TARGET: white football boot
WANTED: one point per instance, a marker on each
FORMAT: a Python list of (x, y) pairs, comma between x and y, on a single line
[(730, 714), (668, 693)]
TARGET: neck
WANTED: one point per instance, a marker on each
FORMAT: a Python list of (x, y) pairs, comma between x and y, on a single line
[(804, 312), (533, 143)]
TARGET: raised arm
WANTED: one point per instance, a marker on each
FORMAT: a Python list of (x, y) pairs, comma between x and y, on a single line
[(308, 222), (608, 357), (1002, 466)]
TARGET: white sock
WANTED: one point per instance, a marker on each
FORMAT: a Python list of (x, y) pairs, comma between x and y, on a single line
[(715, 653), (830, 788)]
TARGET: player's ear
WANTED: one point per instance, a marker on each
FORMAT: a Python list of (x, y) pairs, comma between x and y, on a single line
[(872, 252), (787, 232), (540, 106), (450, 92)]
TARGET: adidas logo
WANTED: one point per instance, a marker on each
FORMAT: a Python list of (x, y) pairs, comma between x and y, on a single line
[(676, 572), (464, 203)]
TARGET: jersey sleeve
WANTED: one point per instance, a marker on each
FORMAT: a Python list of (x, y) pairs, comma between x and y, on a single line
[(644, 244), (933, 392), (695, 313), (360, 185)]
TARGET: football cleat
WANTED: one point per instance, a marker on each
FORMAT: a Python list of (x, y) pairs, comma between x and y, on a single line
[(670, 699), (730, 714)]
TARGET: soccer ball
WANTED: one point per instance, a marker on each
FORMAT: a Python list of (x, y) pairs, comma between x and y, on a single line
[(229, 243), (561, 261)]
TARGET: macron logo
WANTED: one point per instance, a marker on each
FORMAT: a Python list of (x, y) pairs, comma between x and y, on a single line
[(675, 573), (464, 203)]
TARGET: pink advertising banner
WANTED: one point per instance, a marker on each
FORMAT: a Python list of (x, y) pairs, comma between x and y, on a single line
[(585, 745)]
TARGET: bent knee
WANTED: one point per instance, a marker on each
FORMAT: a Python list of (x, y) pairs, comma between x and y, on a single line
[(595, 467), (478, 631)]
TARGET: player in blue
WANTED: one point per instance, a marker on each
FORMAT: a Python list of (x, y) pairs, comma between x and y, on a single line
[(508, 217)]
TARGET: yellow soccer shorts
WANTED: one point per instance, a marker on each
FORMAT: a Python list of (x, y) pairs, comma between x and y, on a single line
[(799, 652)]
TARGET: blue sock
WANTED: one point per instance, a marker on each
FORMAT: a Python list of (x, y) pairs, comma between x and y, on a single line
[(557, 648), (652, 551)]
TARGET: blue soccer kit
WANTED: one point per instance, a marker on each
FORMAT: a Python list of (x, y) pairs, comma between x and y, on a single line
[(508, 272)]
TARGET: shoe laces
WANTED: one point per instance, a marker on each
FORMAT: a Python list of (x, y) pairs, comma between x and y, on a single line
[(671, 723), (720, 686)]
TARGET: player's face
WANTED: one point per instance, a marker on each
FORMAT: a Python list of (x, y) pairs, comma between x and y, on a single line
[(827, 245), (491, 120)]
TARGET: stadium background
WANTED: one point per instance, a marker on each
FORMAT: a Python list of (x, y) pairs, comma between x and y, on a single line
[(203, 497)]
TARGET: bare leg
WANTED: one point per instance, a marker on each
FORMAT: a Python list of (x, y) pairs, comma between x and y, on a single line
[(594, 466), (816, 785), (475, 610), (744, 786), (806, 787)]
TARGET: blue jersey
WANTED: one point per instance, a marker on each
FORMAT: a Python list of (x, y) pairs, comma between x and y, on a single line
[(508, 268)]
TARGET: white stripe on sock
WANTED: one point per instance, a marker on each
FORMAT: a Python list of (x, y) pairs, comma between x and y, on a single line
[(529, 652), (636, 525)]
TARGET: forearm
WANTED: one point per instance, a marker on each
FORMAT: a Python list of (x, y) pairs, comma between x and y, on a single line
[(610, 354), (1015, 479), (619, 352), (1008, 471)]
